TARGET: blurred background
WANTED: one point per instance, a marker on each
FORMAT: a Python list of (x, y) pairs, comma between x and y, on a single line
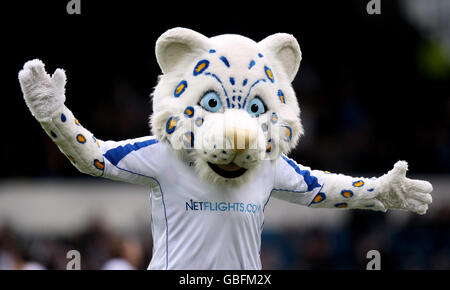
[(373, 89)]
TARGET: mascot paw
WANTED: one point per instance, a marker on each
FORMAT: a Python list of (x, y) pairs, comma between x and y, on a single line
[(44, 94), (399, 192)]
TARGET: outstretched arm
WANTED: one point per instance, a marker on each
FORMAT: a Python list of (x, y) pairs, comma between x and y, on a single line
[(45, 97), (319, 189)]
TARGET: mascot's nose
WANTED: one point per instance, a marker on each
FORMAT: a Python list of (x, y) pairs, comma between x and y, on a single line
[(241, 139)]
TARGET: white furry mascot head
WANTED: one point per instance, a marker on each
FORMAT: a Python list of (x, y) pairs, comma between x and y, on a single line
[(226, 103)]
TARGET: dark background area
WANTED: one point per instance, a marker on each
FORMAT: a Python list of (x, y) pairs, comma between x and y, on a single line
[(368, 98)]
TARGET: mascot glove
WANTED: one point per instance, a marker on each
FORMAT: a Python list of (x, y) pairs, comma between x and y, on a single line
[(396, 191), (43, 94)]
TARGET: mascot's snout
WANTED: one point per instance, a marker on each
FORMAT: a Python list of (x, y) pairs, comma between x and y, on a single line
[(240, 130), (231, 145), (242, 138)]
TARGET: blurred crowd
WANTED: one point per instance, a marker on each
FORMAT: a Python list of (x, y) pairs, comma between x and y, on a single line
[(419, 244), (100, 248)]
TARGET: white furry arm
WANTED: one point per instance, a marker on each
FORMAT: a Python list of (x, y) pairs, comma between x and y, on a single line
[(390, 191), (44, 96), (320, 189)]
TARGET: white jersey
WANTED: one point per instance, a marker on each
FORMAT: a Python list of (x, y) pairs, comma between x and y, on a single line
[(195, 224)]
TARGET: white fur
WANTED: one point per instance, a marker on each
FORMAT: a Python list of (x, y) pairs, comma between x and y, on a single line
[(179, 50), (390, 191), (44, 96), (400, 192)]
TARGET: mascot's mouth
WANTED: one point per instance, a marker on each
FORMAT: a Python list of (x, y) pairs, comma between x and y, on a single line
[(227, 170)]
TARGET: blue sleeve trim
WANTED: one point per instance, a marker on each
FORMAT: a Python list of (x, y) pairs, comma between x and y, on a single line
[(115, 155), (310, 180)]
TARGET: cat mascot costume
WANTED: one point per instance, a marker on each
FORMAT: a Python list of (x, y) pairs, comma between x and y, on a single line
[(225, 118)]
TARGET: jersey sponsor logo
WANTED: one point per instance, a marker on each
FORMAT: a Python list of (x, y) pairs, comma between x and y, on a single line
[(222, 206)]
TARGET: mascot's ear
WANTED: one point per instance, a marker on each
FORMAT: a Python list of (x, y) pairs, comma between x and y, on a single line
[(178, 44), (284, 47)]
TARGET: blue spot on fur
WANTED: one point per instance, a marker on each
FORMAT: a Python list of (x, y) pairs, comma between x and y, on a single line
[(199, 121), (225, 61), (347, 193), (200, 67), (179, 89), (274, 118), (232, 80), (244, 83), (319, 198), (281, 96), (264, 127), (171, 124), (288, 133), (269, 74), (252, 63), (189, 112)]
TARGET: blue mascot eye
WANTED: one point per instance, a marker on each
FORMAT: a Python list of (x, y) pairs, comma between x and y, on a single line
[(211, 102), (256, 107)]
